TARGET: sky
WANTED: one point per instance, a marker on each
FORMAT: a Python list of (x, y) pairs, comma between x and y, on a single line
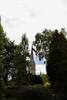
[(32, 16)]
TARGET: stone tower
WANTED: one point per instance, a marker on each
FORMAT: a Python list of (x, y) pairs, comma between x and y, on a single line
[(32, 62)]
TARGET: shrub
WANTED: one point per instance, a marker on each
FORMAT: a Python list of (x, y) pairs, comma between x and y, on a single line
[(35, 79)]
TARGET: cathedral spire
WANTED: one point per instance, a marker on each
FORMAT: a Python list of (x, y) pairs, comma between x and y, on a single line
[(32, 62), (0, 20)]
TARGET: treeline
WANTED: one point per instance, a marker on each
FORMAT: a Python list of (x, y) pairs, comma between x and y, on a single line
[(53, 46), (15, 59), (14, 63)]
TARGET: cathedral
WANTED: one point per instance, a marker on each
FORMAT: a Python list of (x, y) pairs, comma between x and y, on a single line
[(31, 68)]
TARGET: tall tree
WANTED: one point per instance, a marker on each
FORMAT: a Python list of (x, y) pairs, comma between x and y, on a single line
[(42, 42), (8, 60), (21, 61), (57, 60), (3, 41)]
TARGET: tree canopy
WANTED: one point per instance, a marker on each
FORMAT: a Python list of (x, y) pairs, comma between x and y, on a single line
[(21, 61), (3, 42), (57, 60), (42, 42), (15, 59)]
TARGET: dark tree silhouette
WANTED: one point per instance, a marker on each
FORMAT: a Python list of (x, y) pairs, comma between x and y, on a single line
[(3, 41), (8, 61), (57, 61), (21, 62)]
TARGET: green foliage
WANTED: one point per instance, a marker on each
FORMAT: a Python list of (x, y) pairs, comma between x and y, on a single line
[(8, 61), (42, 42), (57, 60), (36, 80), (45, 79), (15, 59), (3, 41), (2, 88), (21, 62)]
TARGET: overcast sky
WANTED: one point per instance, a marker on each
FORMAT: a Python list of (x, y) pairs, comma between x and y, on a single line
[(32, 16)]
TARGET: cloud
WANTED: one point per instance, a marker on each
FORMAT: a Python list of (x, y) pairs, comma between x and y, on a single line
[(34, 13), (13, 21), (32, 16)]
